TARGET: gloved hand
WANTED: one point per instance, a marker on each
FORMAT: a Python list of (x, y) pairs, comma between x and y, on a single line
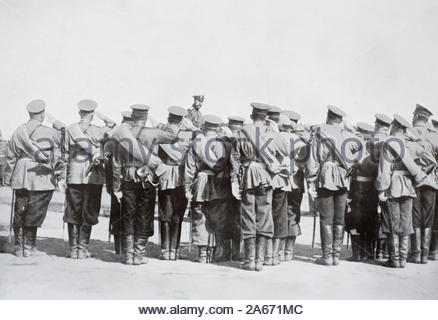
[(235, 190), (118, 195), (382, 196), (189, 195), (62, 186), (312, 191)]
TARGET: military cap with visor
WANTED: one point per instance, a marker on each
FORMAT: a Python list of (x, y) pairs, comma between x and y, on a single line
[(36, 106)]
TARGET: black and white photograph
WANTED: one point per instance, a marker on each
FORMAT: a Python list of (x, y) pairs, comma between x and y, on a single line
[(254, 157)]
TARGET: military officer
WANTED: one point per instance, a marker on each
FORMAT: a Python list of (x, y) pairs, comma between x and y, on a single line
[(85, 177), (172, 202), (361, 222), (207, 187), (433, 254), (424, 204), (396, 173), (280, 187), (34, 160), (138, 183), (3, 163), (299, 139), (375, 143), (113, 168), (194, 114), (327, 171), (251, 181)]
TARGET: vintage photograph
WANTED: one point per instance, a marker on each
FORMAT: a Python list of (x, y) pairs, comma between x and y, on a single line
[(219, 150)]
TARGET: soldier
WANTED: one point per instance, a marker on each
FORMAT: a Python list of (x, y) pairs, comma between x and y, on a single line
[(361, 222), (33, 158), (85, 177), (424, 203), (113, 168), (194, 114), (395, 187), (299, 139), (280, 187), (172, 203), (138, 184), (328, 171), (207, 187), (252, 165), (381, 131), (433, 254), (3, 163), (231, 239)]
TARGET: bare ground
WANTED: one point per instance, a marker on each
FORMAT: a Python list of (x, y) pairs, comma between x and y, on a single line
[(53, 276)]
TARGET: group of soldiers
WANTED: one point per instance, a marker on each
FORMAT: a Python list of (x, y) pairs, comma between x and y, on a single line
[(242, 182)]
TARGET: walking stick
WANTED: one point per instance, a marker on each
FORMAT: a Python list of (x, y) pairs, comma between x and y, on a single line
[(191, 221), (348, 239), (11, 221), (314, 221)]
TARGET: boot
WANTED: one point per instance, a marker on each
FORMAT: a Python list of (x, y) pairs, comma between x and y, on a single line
[(117, 243), (250, 252), (370, 245), (380, 250), (140, 250), (363, 253), (175, 236), (289, 249), (225, 252), (18, 248), (73, 240), (403, 250), (268, 260), (326, 245), (355, 247), (210, 253), (394, 259), (281, 250), (416, 246), (433, 253), (276, 249), (165, 240), (29, 239), (127, 249), (425, 244), (260, 252), (202, 254), (338, 238), (84, 240)]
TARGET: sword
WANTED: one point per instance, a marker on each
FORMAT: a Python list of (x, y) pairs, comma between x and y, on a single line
[(11, 221)]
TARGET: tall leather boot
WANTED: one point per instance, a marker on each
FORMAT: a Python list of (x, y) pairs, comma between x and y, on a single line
[(175, 236), (127, 248), (140, 250), (275, 252), (165, 240), (84, 241), (117, 243), (416, 246), (403, 250), (73, 240), (18, 248), (202, 254), (338, 239), (326, 245), (250, 252), (370, 245), (29, 239), (224, 252), (289, 249), (380, 249), (394, 258), (260, 252), (433, 253), (281, 250), (268, 260), (355, 247), (425, 244)]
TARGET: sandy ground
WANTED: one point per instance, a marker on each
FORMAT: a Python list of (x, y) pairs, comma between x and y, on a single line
[(102, 277)]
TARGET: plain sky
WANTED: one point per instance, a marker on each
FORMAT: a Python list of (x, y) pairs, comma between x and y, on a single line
[(364, 56)]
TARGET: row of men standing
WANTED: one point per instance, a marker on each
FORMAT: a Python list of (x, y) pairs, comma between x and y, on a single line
[(236, 191)]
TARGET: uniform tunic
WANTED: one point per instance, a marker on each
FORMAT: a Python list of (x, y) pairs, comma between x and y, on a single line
[(395, 175), (33, 180), (195, 116), (210, 187), (255, 182), (329, 173), (84, 193)]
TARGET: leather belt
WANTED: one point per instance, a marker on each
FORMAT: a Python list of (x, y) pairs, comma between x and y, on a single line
[(363, 179)]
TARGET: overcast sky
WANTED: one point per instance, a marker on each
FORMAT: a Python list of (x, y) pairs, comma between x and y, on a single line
[(364, 56)]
